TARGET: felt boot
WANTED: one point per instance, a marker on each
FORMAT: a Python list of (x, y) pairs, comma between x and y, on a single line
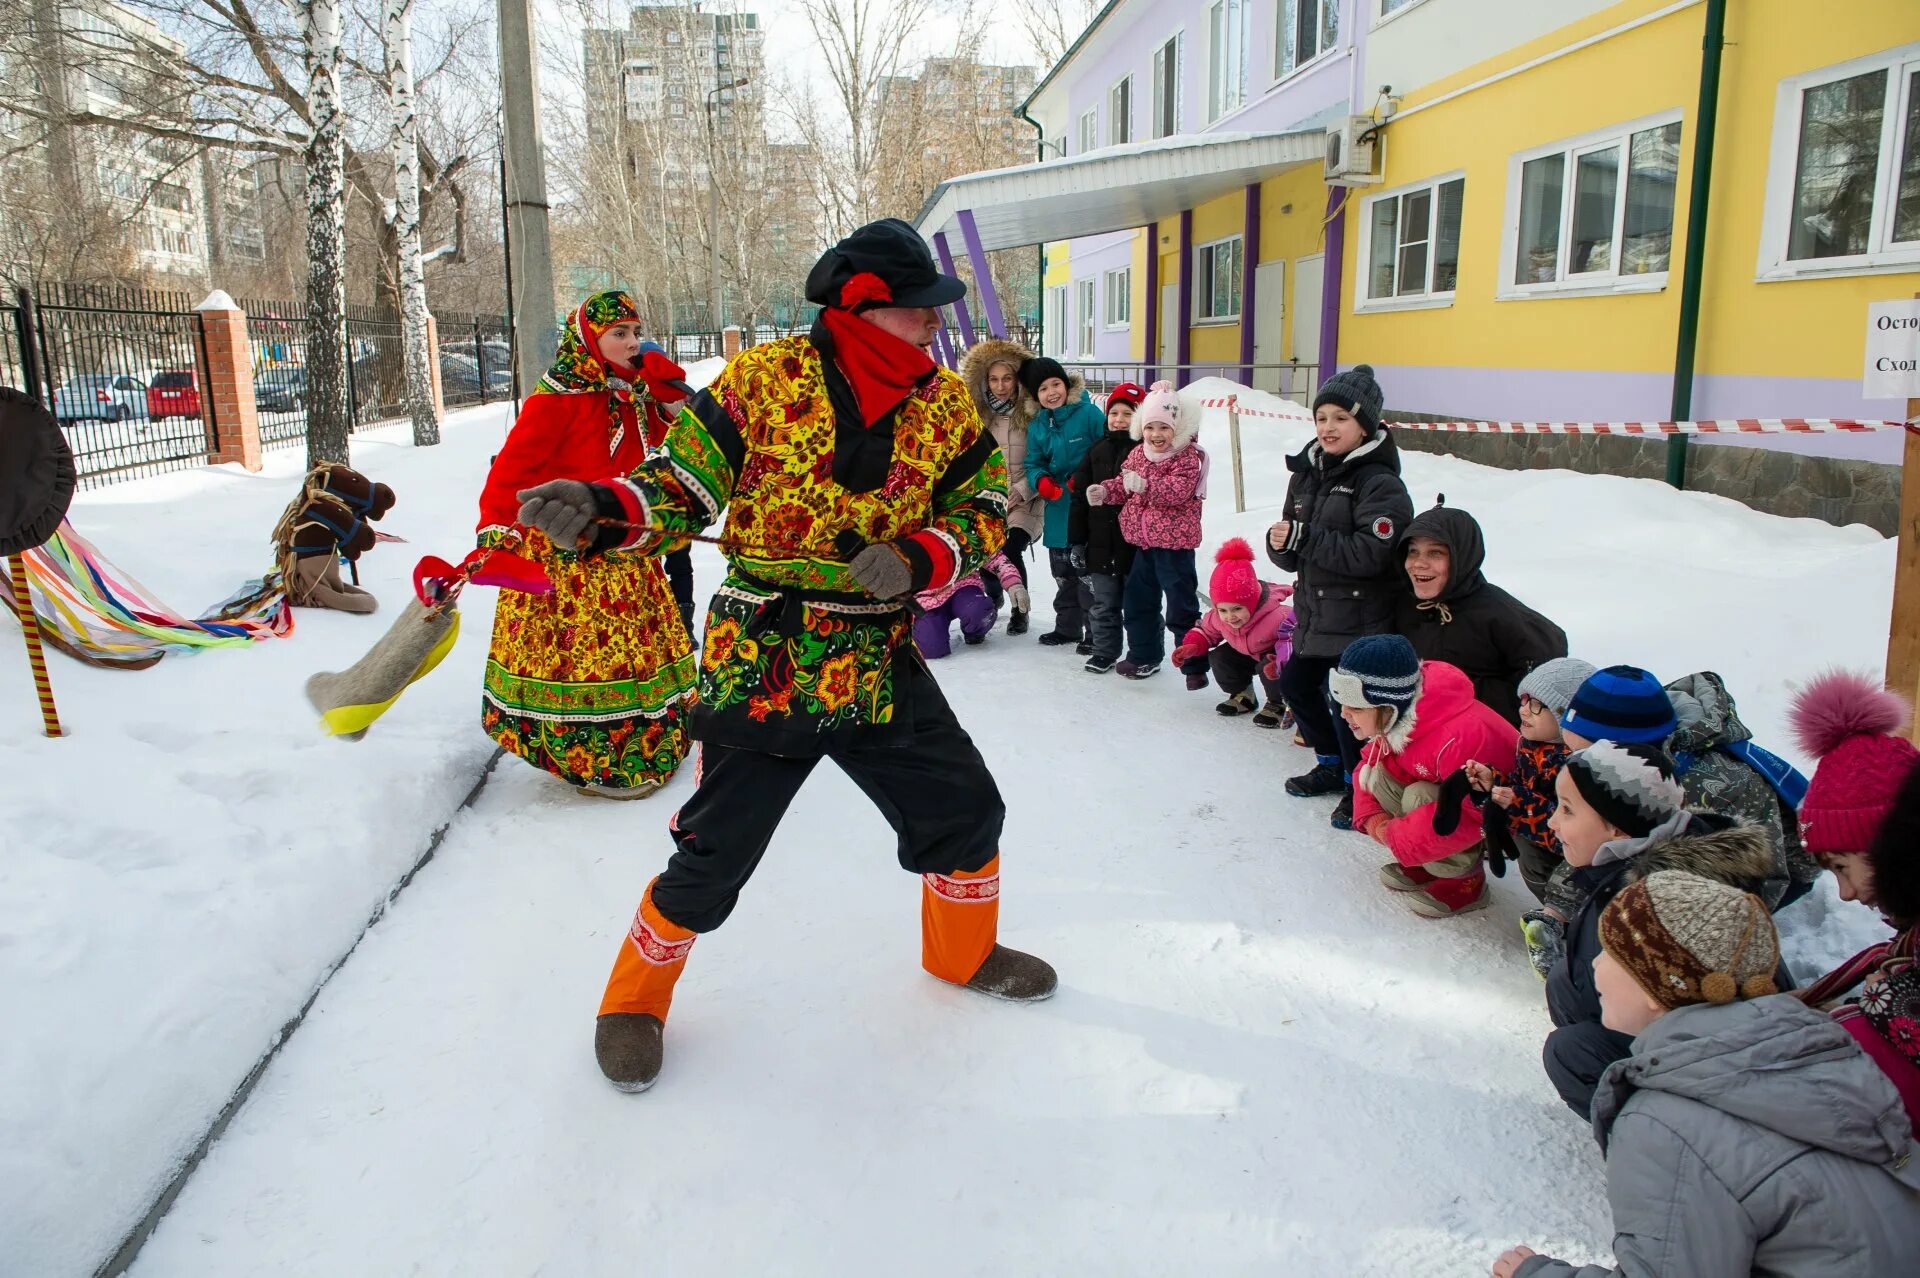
[(1444, 898), (629, 1046), (352, 699), (1014, 976)]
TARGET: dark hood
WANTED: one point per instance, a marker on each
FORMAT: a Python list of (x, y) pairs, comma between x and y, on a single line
[(1705, 712), (1466, 547)]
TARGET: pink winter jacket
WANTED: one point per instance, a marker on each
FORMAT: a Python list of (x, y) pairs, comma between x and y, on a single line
[(1255, 639), (1445, 729), (1166, 516), (1001, 567)]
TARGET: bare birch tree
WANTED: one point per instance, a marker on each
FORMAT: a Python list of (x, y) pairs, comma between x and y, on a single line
[(328, 412), (406, 219), (865, 43), (1051, 26)]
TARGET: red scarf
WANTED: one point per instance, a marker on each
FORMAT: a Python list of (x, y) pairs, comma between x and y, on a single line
[(882, 369)]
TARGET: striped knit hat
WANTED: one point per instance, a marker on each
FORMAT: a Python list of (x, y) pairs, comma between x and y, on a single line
[(1621, 703), (1379, 670), (1631, 787)]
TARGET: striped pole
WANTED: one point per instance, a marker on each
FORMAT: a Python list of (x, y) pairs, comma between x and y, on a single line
[(30, 627)]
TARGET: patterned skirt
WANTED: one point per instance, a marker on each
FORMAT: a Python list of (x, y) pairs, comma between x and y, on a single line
[(593, 682)]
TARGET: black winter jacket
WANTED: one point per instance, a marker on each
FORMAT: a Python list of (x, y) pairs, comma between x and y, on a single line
[(1475, 625), (1098, 527), (1348, 514)]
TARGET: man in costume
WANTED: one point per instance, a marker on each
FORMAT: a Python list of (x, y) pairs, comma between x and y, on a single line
[(853, 473)]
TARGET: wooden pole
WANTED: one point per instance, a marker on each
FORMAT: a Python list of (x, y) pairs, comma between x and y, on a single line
[(36, 659), (1233, 447)]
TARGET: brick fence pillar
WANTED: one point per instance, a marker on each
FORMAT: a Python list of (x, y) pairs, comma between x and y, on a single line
[(433, 369), (226, 401), (730, 340)]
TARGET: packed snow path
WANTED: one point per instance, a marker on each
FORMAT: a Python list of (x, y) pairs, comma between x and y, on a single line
[(1257, 1060)]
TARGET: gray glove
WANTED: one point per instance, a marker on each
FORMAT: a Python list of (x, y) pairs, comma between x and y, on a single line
[(561, 508), (882, 571)]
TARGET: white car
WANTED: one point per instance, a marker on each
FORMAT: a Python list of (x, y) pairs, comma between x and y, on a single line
[(112, 397)]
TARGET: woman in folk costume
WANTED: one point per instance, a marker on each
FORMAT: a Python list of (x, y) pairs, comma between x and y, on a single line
[(593, 681)]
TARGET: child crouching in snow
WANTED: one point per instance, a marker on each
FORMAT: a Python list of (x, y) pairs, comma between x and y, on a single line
[(966, 602), (1418, 723), (1238, 637), (1744, 1132), (1162, 484)]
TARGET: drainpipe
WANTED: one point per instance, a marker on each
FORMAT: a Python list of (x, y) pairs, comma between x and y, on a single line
[(1039, 250), (1707, 115)]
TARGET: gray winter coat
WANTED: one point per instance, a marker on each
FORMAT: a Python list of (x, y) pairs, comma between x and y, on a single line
[(1754, 1138), (1716, 781)]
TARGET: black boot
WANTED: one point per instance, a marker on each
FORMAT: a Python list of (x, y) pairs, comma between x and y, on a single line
[(1325, 778), (1017, 623), (1342, 818)]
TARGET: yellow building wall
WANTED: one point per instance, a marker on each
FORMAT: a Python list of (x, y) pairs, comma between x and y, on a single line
[(1059, 267), (1214, 220), (1292, 217), (1804, 328), (1137, 335)]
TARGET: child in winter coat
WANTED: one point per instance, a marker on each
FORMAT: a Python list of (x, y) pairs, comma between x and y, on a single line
[(1520, 803), (991, 370), (1058, 437), (1420, 724), (1744, 1133), (1346, 510), (1238, 636), (1861, 820), (1619, 818), (966, 602), (1093, 526), (1162, 484)]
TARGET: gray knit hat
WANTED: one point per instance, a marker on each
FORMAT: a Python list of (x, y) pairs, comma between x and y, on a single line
[(1633, 787), (1688, 939), (1553, 683)]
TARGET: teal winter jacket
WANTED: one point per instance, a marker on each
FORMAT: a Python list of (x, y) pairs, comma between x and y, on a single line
[(1057, 442)]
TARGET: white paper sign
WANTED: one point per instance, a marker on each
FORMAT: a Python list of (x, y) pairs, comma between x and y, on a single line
[(1893, 351)]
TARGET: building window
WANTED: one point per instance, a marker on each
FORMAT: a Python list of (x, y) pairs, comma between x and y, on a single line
[(1226, 57), (1307, 29), (1119, 286), (1597, 212), (1166, 89), (1083, 294), (1392, 6), (1055, 319), (1089, 131), (1413, 242), (1058, 147), (1216, 285), (1120, 113), (1844, 188), (173, 197)]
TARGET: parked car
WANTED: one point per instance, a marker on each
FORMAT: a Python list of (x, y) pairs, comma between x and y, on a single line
[(459, 375), (280, 390), (173, 394), (112, 397)]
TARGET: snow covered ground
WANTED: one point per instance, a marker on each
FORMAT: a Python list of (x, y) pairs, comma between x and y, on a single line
[(1257, 1060)]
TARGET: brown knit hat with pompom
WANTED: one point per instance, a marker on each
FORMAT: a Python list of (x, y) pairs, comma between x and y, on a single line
[(1689, 940)]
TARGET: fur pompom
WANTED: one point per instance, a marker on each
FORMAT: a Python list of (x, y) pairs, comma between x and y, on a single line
[(1837, 704), (1233, 548), (863, 288)]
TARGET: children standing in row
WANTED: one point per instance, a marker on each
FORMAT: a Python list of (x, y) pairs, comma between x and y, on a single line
[(1093, 526), (1058, 437)]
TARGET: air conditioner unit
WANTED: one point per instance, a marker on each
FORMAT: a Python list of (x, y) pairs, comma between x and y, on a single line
[(1353, 152)]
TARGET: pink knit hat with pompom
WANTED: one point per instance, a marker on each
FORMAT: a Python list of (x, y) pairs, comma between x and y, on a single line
[(1849, 722), (1233, 579)]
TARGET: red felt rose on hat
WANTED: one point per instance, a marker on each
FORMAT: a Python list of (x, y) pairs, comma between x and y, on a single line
[(862, 288)]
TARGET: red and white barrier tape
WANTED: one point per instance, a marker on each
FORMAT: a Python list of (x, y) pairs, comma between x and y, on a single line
[(1725, 426)]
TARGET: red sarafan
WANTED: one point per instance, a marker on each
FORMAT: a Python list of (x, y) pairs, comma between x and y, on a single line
[(1837, 704)]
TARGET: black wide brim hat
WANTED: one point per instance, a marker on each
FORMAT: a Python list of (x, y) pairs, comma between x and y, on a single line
[(883, 263), (36, 473)]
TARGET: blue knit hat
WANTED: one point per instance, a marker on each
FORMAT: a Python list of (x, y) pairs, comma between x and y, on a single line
[(1378, 670), (1623, 704)]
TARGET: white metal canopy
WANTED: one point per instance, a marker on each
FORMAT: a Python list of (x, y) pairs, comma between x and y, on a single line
[(1113, 189)]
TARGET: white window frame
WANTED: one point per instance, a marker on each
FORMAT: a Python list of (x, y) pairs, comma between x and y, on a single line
[(1286, 16), (1118, 288), (1783, 167), (1383, 15), (1227, 93), (1120, 115), (1203, 275), (1363, 274), (1057, 319), (1087, 320), (1170, 68), (1089, 130), (1596, 283)]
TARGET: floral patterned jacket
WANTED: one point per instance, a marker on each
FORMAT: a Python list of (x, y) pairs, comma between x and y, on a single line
[(794, 648)]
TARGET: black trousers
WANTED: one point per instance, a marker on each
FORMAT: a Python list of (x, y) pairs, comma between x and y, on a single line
[(1303, 681), (1577, 1055), (930, 784), (1235, 671), (679, 567)]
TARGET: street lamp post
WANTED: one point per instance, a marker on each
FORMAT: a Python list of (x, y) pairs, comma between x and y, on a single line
[(713, 206)]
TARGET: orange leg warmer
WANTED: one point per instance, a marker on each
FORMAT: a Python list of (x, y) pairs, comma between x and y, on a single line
[(959, 919), (651, 959)]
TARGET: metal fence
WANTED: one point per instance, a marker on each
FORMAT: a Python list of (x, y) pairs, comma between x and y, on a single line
[(277, 338), (476, 358), (125, 373)]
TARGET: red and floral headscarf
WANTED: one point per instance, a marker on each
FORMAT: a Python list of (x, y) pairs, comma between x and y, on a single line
[(578, 366)]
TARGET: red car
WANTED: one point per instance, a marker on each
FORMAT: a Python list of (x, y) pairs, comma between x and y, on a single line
[(173, 395)]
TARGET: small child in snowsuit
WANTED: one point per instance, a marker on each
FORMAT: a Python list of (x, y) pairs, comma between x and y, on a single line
[(1250, 618), (966, 602), (1162, 484), (1093, 526), (1520, 803)]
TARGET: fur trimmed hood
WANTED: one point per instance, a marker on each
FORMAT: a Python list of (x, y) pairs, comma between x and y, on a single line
[(981, 357), (1730, 852)]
